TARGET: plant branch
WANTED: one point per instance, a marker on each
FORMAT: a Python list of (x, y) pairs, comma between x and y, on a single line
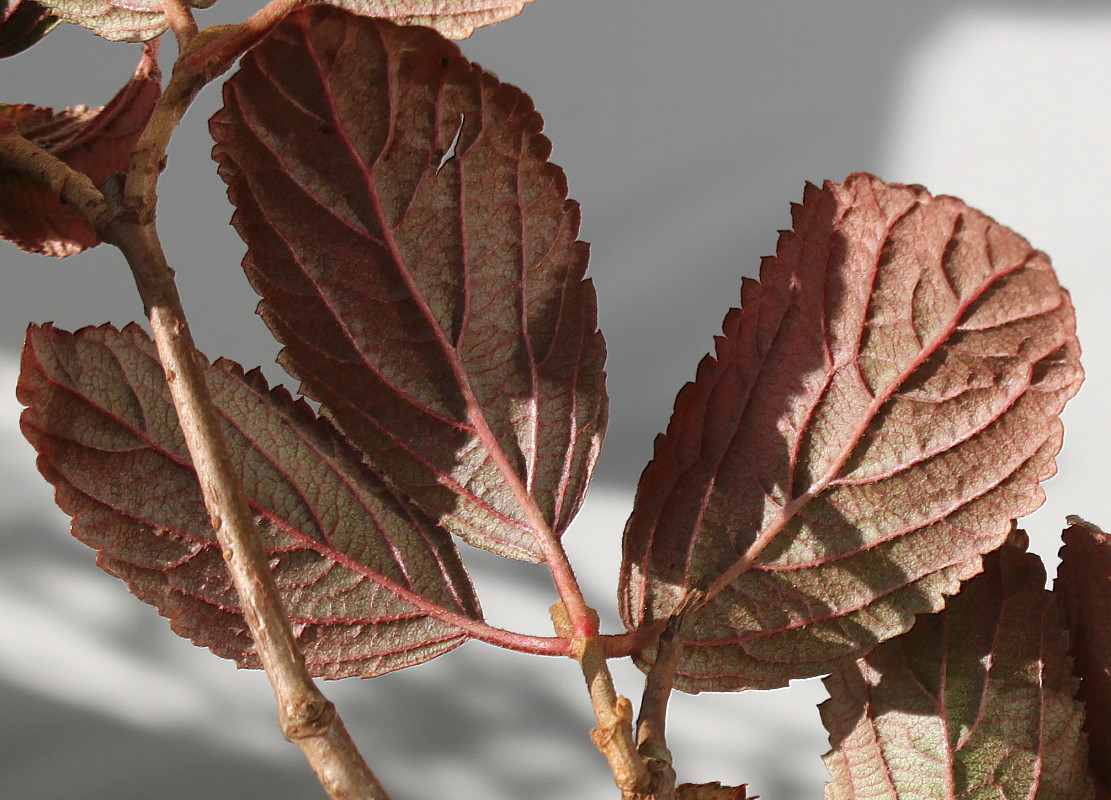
[(613, 714), (207, 55), (218, 47), (74, 188), (148, 158), (307, 717), (651, 723), (180, 18)]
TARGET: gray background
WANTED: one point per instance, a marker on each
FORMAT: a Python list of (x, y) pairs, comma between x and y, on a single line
[(686, 129)]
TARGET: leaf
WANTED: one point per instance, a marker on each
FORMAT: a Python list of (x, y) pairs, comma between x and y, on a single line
[(370, 584), (454, 19), (96, 142), (118, 20), (22, 24), (140, 20), (882, 408), (976, 701), (711, 791), (416, 255), (1083, 589)]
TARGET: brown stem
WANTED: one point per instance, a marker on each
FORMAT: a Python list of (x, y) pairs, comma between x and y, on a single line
[(651, 723), (148, 158), (613, 714), (306, 716), (219, 46), (179, 16), (74, 188)]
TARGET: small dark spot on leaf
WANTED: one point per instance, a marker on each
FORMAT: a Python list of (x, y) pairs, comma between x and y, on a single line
[(445, 61)]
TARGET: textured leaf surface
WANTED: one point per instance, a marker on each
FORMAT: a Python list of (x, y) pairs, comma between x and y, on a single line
[(368, 581), (882, 408), (96, 142), (1083, 587), (416, 255), (140, 20), (22, 23), (455, 19), (975, 702), (118, 20)]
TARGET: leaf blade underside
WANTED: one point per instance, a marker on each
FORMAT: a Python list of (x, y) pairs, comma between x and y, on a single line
[(370, 584), (880, 410), (416, 255), (96, 142), (1083, 589), (453, 19), (142, 20), (975, 701), (118, 20)]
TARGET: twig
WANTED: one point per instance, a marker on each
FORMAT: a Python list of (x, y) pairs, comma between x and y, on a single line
[(613, 714), (74, 188), (651, 723), (179, 16), (307, 718), (219, 46)]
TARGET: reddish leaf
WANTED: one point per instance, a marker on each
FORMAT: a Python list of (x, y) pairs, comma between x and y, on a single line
[(976, 701), (1083, 588), (96, 142), (880, 410), (118, 20), (711, 791), (22, 23), (416, 254), (455, 19), (370, 584)]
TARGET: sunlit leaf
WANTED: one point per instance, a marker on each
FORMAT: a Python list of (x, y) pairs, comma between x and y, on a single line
[(455, 19), (118, 20), (140, 20), (94, 141), (976, 701), (22, 23), (880, 410), (1083, 587), (416, 255), (370, 584)]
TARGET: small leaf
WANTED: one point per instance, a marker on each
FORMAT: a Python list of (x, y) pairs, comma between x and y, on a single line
[(454, 19), (370, 584), (118, 20), (416, 255), (976, 701), (1083, 589), (96, 142), (883, 406), (22, 24)]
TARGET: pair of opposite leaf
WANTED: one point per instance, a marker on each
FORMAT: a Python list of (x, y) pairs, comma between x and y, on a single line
[(873, 418)]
